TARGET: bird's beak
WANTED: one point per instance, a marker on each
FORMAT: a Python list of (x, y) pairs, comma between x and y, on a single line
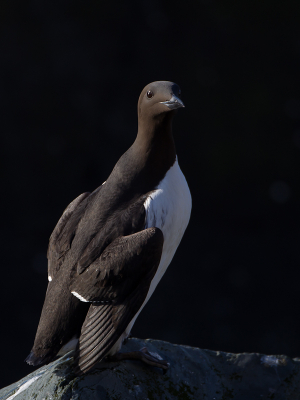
[(173, 103)]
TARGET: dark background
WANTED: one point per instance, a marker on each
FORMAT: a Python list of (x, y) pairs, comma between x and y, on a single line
[(71, 73)]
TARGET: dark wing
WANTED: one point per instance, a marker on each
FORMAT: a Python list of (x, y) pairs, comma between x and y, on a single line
[(55, 254), (117, 284), (100, 232)]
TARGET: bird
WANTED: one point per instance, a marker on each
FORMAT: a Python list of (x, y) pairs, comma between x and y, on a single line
[(111, 247)]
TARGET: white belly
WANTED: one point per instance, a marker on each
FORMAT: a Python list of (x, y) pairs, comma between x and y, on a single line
[(167, 208)]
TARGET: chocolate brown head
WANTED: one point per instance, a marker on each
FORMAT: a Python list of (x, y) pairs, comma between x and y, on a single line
[(159, 98)]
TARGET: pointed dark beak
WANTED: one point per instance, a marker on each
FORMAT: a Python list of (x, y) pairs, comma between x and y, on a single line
[(173, 103)]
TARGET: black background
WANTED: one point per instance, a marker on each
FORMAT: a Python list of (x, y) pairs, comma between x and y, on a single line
[(71, 73)]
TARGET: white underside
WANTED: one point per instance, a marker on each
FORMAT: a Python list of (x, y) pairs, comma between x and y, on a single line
[(167, 208)]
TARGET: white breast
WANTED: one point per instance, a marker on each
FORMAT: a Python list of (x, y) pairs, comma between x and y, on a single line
[(167, 208)]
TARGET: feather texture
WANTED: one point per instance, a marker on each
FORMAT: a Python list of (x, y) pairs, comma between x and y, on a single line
[(125, 287)]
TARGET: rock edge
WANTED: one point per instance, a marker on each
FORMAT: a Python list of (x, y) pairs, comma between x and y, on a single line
[(193, 374)]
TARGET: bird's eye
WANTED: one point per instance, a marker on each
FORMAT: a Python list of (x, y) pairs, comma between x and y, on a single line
[(149, 94), (179, 92)]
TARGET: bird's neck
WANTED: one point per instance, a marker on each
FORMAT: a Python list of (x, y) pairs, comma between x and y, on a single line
[(146, 162), (154, 142)]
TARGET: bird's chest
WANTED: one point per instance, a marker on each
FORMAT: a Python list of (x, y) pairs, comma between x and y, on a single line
[(168, 208)]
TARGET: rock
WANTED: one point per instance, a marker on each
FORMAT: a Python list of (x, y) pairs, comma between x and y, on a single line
[(193, 374)]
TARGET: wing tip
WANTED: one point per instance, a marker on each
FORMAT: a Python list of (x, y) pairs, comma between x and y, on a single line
[(34, 360), (78, 371)]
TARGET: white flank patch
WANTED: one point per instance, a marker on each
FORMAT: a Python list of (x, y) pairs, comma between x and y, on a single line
[(49, 278), (26, 385), (80, 297), (167, 208)]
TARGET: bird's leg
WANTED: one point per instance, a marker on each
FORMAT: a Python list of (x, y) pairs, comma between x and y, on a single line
[(144, 355)]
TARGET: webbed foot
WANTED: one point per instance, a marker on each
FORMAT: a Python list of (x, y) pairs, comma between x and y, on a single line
[(144, 355)]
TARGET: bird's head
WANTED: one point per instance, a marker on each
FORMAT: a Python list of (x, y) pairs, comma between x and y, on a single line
[(159, 99)]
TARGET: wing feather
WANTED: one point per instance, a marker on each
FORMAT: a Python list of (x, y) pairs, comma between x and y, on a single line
[(54, 253), (121, 266), (94, 319), (90, 335), (128, 275)]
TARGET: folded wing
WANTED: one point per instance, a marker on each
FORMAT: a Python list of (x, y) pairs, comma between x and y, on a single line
[(116, 284)]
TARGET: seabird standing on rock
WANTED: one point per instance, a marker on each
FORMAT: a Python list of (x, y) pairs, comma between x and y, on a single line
[(111, 247)]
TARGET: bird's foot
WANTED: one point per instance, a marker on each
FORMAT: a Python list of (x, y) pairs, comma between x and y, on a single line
[(144, 355)]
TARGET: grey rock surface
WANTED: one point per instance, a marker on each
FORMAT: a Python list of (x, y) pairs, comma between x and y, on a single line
[(193, 374)]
